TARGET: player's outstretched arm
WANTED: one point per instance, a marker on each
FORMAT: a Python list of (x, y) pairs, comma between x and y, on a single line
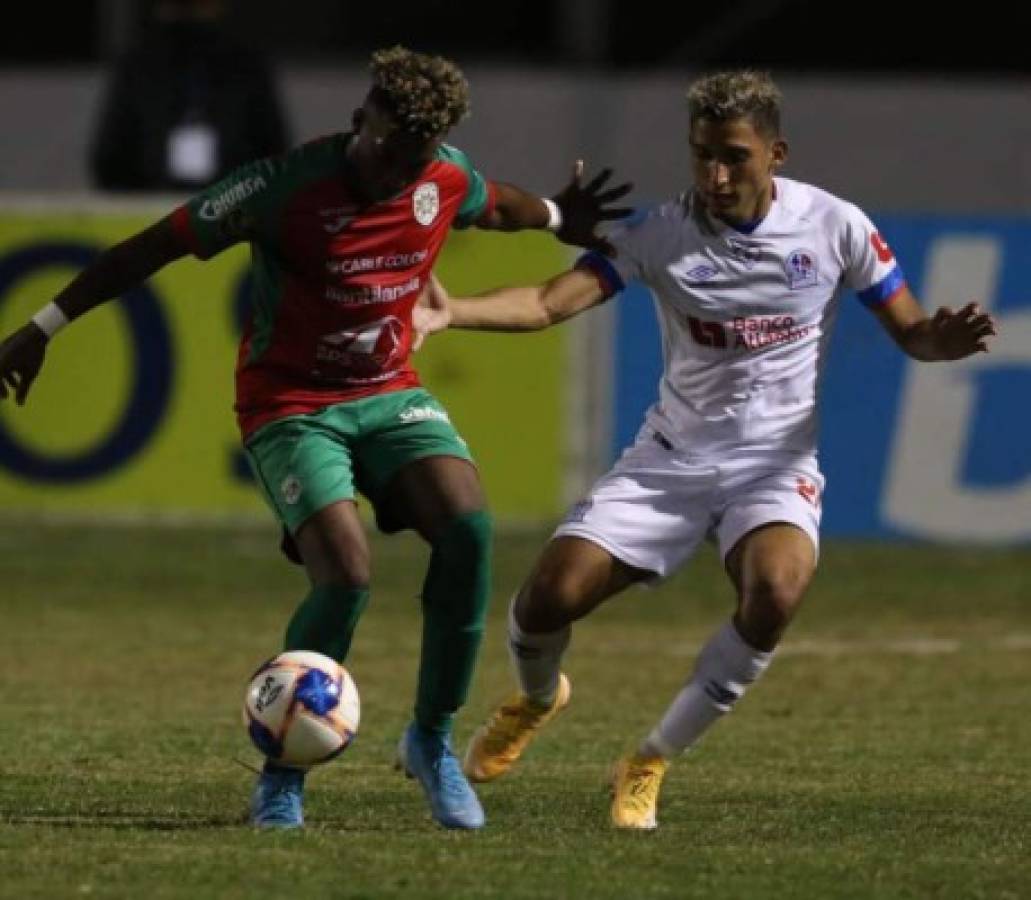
[(574, 213), (945, 335), (114, 272), (528, 308)]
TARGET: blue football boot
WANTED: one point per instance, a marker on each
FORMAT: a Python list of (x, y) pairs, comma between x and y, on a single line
[(427, 756), (277, 798)]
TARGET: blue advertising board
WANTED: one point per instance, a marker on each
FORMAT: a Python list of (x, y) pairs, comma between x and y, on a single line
[(937, 451)]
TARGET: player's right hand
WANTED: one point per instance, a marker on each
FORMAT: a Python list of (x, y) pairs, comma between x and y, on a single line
[(21, 356), (431, 313)]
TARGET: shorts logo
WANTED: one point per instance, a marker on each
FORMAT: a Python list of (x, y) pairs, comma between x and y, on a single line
[(290, 489), (808, 491), (426, 203), (578, 514), (801, 269), (423, 414)]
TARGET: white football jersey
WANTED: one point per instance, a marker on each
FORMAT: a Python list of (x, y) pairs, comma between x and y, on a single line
[(746, 316)]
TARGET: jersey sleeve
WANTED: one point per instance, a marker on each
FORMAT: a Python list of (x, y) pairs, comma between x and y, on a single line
[(229, 211), (870, 266), (479, 193), (631, 240)]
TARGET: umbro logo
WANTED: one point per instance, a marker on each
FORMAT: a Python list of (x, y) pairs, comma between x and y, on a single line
[(704, 272)]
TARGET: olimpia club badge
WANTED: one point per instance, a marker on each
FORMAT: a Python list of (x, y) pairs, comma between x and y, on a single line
[(426, 203)]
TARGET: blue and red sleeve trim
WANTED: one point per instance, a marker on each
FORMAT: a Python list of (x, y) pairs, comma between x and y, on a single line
[(601, 267), (886, 290)]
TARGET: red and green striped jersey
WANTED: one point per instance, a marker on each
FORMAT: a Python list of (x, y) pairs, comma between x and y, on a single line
[(334, 283)]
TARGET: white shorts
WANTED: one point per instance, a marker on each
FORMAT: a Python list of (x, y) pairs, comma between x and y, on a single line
[(657, 504)]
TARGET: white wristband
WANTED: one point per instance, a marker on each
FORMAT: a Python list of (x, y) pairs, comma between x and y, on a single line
[(50, 319), (554, 214)]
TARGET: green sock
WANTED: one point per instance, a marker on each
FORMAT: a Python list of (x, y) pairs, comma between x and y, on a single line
[(326, 619), (454, 603)]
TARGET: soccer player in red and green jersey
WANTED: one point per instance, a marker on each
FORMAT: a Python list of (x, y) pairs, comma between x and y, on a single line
[(344, 232)]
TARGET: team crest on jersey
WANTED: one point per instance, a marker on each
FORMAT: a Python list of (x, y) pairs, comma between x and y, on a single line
[(426, 203), (800, 268)]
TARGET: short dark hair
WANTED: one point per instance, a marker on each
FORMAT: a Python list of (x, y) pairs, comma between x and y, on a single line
[(737, 94), (427, 95)]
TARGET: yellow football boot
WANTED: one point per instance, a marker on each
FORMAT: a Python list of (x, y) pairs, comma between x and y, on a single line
[(497, 745), (635, 791)]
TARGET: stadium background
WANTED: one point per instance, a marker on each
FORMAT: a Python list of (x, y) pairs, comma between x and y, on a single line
[(132, 414), (884, 756)]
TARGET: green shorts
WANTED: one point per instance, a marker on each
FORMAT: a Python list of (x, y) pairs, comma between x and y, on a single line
[(305, 463)]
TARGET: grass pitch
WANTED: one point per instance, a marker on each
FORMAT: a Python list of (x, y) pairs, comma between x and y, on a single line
[(885, 754)]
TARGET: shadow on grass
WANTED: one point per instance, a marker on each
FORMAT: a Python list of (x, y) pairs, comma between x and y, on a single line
[(142, 822), (145, 822)]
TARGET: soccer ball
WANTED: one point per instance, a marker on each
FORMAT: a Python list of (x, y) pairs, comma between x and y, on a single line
[(301, 709)]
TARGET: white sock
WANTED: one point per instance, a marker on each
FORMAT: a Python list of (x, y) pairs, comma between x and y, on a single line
[(724, 669), (537, 658)]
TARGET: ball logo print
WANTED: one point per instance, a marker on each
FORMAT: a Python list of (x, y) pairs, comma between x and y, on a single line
[(267, 694), (301, 709)]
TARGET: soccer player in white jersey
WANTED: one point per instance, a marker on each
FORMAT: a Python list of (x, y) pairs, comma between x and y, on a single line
[(747, 269)]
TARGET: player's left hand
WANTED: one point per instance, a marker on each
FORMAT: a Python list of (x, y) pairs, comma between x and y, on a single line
[(431, 313), (585, 206), (963, 333)]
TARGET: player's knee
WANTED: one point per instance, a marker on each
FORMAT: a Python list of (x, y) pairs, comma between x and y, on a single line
[(459, 580), (550, 600), (467, 538), (345, 567), (334, 558), (347, 577), (769, 602)]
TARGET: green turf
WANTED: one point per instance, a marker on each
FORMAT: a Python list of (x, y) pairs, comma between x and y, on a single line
[(885, 754)]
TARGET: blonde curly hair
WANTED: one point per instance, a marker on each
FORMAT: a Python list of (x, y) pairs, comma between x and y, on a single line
[(737, 94), (427, 95)]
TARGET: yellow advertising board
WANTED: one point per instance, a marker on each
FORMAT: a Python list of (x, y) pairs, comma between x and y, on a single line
[(133, 409)]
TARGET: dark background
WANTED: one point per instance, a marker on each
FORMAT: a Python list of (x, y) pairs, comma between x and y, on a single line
[(986, 38)]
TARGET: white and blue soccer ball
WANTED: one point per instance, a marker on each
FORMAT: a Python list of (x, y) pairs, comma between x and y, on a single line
[(301, 709)]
